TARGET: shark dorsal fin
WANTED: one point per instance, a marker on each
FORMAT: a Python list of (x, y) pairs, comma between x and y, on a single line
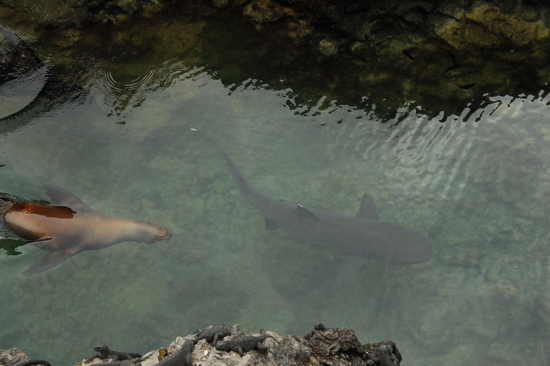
[(367, 210), (61, 197), (304, 213)]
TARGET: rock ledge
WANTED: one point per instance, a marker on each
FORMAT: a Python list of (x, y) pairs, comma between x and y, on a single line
[(322, 346)]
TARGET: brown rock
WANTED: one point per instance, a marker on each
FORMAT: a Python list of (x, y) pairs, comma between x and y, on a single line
[(262, 11), (487, 26)]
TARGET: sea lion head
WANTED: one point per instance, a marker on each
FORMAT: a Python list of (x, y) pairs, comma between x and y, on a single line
[(147, 232)]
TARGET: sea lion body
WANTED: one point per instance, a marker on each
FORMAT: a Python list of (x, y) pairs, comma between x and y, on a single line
[(33, 221), (70, 227)]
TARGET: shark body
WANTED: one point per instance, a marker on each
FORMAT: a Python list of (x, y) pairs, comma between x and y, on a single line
[(358, 237)]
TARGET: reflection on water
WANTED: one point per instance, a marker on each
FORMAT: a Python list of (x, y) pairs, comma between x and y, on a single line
[(27, 88), (477, 190)]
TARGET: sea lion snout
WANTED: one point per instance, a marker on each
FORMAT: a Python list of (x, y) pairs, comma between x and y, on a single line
[(167, 234), (150, 233)]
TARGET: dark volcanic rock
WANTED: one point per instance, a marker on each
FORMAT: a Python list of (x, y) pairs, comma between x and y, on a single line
[(27, 85), (444, 55), (340, 346), (322, 346), (79, 13)]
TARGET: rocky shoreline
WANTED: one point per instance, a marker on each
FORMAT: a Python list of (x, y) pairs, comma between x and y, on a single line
[(322, 346), (443, 54)]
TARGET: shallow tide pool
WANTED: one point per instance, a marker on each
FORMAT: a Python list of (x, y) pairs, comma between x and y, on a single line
[(476, 185)]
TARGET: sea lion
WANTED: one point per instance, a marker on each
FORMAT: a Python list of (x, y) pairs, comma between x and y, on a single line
[(70, 227)]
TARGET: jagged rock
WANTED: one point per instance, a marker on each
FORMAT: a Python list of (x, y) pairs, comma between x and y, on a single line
[(221, 3), (79, 13), (261, 11), (443, 54), (12, 356), (489, 27), (322, 346), (27, 85)]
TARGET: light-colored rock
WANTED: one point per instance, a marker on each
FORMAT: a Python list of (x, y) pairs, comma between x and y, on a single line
[(338, 346), (12, 356)]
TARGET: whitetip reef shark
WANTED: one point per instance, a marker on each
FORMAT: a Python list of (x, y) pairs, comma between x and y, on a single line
[(358, 237), (70, 227)]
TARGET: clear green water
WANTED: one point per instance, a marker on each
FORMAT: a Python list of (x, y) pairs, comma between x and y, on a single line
[(478, 190)]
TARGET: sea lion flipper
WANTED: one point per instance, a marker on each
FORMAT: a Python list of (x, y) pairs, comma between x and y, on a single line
[(50, 260), (62, 197), (52, 244)]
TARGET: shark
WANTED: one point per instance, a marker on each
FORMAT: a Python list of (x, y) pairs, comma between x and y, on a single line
[(358, 238)]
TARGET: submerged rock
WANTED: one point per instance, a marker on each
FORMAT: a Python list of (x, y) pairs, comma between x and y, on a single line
[(27, 87), (70, 13), (426, 55)]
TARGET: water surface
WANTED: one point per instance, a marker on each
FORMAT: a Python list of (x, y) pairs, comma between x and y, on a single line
[(477, 185)]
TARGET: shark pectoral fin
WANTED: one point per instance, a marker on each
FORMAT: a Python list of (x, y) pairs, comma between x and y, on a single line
[(270, 224), (304, 213), (61, 197), (351, 264), (50, 260), (367, 210)]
